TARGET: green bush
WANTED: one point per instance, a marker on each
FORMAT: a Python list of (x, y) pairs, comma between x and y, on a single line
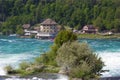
[(79, 59), (23, 72), (64, 36), (81, 71), (9, 69), (32, 36), (51, 69), (24, 65)]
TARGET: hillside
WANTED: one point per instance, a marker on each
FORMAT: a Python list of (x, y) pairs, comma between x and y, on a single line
[(104, 14)]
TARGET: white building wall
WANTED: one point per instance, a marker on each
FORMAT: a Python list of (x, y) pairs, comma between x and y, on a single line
[(41, 28)]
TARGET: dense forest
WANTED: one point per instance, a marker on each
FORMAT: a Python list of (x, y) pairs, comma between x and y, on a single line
[(104, 14)]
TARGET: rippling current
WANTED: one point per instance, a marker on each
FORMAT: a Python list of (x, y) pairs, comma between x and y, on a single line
[(109, 51), (15, 50)]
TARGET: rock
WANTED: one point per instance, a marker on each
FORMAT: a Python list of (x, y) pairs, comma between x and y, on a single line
[(35, 67), (76, 79), (29, 69), (64, 70)]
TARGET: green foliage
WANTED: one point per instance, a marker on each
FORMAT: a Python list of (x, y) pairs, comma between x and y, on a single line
[(51, 69), (20, 30), (64, 36), (76, 14), (43, 58), (82, 71), (74, 57), (24, 65), (117, 25), (77, 56), (23, 73), (49, 57), (98, 36), (8, 69)]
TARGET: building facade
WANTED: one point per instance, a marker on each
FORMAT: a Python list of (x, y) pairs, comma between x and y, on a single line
[(89, 29), (48, 29)]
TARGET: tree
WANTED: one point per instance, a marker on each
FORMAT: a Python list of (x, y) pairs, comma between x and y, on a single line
[(96, 11), (38, 12), (72, 55), (117, 25), (64, 36), (117, 13), (20, 30), (73, 13), (17, 9), (98, 22)]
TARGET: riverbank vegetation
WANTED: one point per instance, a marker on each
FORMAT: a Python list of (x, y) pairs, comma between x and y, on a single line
[(66, 56), (104, 14), (98, 36)]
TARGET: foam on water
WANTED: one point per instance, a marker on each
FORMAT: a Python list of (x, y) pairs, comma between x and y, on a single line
[(63, 77), (109, 51), (2, 71), (13, 51), (112, 63), (13, 60)]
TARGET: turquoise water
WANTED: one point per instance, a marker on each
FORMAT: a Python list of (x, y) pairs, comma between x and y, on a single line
[(15, 50), (109, 51)]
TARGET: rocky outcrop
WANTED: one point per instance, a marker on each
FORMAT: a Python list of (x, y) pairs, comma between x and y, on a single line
[(35, 67)]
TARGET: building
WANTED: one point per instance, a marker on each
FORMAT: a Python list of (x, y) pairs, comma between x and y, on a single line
[(26, 29), (26, 26), (48, 29), (48, 26), (89, 29), (37, 28)]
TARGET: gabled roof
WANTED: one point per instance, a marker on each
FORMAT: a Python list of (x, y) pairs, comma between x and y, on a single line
[(48, 21), (26, 26), (37, 28), (90, 26)]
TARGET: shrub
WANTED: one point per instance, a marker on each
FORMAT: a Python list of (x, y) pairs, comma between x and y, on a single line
[(74, 54), (64, 36), (81, 71), (24, 65), (9, 69)]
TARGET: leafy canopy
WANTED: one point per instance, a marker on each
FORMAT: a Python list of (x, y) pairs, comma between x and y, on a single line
[(65, 36), (75, 55)]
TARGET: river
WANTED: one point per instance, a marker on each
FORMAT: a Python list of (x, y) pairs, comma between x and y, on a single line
[(15, 50)]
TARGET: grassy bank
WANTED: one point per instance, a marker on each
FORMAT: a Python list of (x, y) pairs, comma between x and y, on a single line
[(98, 36)]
